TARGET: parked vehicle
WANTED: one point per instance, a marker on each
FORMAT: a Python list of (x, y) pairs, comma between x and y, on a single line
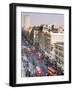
[(52, 71), (38, 71), (41, 70)]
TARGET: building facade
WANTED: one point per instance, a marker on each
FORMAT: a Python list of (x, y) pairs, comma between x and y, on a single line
[(59, 54)]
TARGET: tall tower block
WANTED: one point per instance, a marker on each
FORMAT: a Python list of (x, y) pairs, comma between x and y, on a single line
[(25, 21)]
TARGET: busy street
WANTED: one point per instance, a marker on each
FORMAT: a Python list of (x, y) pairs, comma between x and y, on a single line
[(34, 62)]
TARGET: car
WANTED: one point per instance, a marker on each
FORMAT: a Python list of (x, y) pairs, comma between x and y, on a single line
[(52, 71), (26, 42), (33, 49), (38, 71), (27, 50), (39, 55)]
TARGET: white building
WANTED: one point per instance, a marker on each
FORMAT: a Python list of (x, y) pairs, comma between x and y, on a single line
[(54, 38), (59, 54)]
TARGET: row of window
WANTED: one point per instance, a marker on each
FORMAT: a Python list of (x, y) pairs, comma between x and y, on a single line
[(60, 48), (59, 60), (61, 54)]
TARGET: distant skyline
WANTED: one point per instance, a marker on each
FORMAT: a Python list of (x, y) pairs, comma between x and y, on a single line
[(44, 18)]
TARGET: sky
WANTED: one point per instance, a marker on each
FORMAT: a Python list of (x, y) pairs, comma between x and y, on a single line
[(45, 18)]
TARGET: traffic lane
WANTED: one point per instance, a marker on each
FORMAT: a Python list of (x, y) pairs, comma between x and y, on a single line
[(35, 62), (32, 58), (39, 64)]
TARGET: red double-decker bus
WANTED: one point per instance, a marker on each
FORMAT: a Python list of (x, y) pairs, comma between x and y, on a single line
[(38, 71), (52, 71)]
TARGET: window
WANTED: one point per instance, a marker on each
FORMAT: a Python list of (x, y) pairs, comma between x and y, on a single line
[(61, 48), (60, 54), (56, 52)]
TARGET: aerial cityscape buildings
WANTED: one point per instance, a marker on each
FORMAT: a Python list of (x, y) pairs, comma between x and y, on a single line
[(48, 43)]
